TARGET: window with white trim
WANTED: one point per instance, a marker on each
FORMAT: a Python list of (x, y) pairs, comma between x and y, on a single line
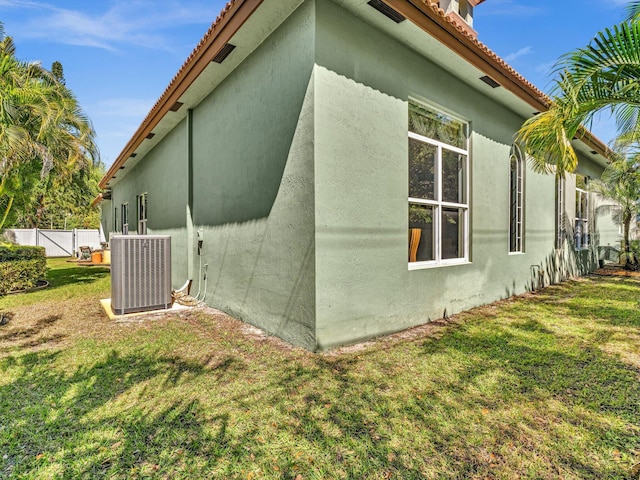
[(581, 230), (560, 212), (142, 214), (516, 200), (125, 219), (115, 219), (438, 188)]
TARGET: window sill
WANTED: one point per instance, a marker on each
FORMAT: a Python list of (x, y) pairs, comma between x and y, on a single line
[(517, 253), (428, 265)]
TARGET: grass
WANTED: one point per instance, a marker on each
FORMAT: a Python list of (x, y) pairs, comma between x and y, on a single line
[(543, 386)]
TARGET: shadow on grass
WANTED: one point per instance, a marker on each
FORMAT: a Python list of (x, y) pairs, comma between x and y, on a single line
[(29, 332), (53, 417), (604, 312), (68, 276), (367, 418), (17, 339), (488, 399)]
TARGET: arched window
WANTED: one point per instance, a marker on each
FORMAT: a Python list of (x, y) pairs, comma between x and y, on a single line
[(516, 200), (560, 212), (582, 214)]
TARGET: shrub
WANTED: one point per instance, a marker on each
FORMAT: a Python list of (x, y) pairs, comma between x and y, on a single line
[(21, 267)]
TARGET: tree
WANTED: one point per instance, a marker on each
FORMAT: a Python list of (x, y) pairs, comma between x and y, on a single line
[(603, 75), (58, 72), (41, 124), (60, 201), (621, 183)]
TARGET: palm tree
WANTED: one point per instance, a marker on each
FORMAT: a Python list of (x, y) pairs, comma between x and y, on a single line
[(620, 182), (603, 75), (40, 121)]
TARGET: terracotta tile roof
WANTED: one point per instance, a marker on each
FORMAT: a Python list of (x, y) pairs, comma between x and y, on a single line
[(185, 75), (194, 54), (455, 32), (536, 94), (487, 51)]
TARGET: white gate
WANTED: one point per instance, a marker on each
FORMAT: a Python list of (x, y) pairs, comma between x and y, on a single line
[(57, 243)]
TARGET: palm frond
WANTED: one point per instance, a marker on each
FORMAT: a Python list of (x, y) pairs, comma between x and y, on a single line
[(613, 56), (546, 139), (633, 11)]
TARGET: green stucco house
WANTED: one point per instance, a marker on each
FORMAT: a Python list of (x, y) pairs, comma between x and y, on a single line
[(343, 169)]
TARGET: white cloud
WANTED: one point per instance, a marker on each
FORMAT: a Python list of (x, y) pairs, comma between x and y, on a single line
[(136, 22), (514, 55)]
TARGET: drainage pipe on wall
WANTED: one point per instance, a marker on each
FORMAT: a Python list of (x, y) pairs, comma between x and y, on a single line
[(190, 196), (190, 223)]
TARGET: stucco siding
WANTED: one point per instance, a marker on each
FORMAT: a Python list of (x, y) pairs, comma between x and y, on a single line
[(254, 185), (162, 175), (363, 283), (295, 215)]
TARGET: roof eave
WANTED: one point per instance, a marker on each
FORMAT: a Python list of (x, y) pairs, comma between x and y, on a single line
[(422, 13), (434, 21), (230, 20)]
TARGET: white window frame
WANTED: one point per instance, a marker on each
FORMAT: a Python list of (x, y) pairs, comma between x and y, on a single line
[(438, 204), (518, 248), (583, 219), (142, 222), (125, 218), (561, 229)]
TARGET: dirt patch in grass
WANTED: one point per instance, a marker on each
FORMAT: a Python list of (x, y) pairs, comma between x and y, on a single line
[(541, 386), (432, 330), (617, 271)]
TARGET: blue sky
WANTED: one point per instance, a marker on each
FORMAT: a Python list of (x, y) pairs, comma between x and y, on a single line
[(119, 55)]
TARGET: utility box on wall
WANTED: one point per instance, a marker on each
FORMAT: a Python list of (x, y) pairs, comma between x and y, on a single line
[(140, 273)]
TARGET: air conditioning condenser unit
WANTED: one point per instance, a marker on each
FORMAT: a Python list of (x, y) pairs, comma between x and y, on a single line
[(140, 273)]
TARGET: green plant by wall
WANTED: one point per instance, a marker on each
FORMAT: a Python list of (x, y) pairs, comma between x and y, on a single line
[(21, 267)]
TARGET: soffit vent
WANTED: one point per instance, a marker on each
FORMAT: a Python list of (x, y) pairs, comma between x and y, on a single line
[(224, 53), (176, 106), (490, 81), (134, 155), (387, 11), (150, 136)]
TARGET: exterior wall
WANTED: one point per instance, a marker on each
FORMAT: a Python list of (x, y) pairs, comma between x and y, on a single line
[(106, 217), (254, 187), (163, 175), (363, 284), (300, 186)]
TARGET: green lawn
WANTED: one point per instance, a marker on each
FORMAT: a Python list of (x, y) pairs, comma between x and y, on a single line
[(544, 386)]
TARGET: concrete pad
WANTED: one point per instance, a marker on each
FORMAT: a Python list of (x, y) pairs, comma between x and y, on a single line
[(106, 305)]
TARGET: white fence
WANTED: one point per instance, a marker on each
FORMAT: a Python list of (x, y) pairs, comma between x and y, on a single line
[(57, 243)]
